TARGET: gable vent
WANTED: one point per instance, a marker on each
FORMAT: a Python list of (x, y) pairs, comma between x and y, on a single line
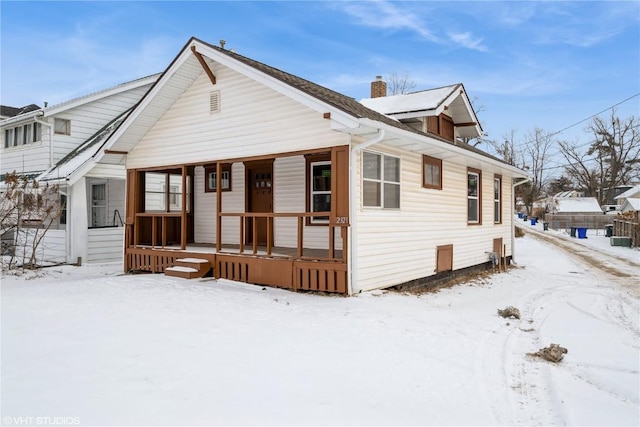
[(214, 101)]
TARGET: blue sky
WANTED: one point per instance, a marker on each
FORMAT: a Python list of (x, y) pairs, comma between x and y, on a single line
[(529, 64)]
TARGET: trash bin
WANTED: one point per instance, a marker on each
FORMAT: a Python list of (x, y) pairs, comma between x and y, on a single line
[(582, 233), (533, 221), (545, 226), (520, 215), (525, 217), (608, 230), (573, 232)]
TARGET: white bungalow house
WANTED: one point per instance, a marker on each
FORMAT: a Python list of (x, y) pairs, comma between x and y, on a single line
[(55, 145), (629, 202), (257, 175)]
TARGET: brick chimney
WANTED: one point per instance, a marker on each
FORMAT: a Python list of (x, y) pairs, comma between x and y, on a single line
[(378, 88)]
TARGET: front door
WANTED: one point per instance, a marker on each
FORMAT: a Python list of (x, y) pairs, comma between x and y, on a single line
[(259, 198)]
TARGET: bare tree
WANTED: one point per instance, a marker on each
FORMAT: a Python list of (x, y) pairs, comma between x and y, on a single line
[(610, 160), (508, 150), (399, 83), (617, 150), (536, 154), (27, 212), (581, 169)]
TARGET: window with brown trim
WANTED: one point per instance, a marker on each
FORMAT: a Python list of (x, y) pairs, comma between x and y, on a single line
[(474, 196), (497, 199), (318, 187), (210, 178), (431, 172)]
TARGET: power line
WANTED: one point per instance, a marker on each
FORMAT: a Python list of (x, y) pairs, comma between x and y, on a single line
[(582, 121)]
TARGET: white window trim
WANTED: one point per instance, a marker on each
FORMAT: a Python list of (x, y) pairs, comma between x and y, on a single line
[(381, 180), (312, 219)]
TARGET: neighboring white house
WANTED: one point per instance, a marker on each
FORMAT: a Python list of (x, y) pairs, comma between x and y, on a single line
[(273, 179), (576, 206), (629, 201), (55, 145)]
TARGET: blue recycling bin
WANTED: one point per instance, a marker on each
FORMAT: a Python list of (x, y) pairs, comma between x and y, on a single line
[(520, 215), (533, 221), (582, 233)]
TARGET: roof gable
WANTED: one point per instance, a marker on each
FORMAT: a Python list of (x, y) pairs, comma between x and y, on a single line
[(431, 102), (346, 114)]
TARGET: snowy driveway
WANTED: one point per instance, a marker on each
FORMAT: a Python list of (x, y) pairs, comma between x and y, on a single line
[(152, 350)]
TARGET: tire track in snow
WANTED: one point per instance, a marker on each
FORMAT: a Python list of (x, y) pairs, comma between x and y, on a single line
[(608, 307), (626, 276)]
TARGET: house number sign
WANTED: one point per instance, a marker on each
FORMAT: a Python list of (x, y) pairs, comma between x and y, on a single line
[(342, 220)]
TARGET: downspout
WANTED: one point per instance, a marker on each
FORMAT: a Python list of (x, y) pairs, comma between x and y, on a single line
[(35, 118), (353, 259), (513, 223)]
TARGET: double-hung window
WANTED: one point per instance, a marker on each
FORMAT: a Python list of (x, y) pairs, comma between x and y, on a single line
[(380, 180), (497, 199), (319, 187), (474, 196)]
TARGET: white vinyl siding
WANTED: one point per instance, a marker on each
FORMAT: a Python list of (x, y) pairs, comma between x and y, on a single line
[(51, 249), (205, 208), (289, 188), (397, 246), (253, 121), (105, 244), (85, 121)]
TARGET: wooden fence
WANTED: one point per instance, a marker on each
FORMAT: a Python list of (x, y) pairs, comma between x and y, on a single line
[(627, 229), (565, 221)]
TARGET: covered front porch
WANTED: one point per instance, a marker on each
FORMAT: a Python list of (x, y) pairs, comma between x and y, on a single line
[(280, 220)]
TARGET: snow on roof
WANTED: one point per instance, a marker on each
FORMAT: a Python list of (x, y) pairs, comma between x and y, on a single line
[(578, 204), (633, 192), (631, 204), (416, 101)]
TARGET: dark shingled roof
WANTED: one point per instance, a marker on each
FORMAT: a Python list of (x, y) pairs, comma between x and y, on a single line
[(335, 99), (7, 111)]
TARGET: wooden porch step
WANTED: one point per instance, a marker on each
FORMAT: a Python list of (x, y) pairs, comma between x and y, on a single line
[(188, 268)]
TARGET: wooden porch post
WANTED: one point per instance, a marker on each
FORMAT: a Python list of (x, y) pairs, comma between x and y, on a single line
[(183, 216), (130, 215), (218, 206)]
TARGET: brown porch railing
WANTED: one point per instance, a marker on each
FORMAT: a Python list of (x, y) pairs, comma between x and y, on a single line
[(250, 218), (160, 225)]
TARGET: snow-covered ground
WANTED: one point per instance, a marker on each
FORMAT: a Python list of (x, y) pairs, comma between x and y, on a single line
[(94, 347)]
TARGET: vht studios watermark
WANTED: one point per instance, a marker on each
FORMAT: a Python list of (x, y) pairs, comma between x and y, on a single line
[(40, 421)]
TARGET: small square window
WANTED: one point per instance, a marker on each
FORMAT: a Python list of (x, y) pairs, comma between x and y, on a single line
[(62, 127), (211, 178), (431, 172)]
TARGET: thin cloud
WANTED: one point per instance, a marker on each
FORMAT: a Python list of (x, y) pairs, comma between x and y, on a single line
[(382, 14), (388, 16), (468, 41)]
